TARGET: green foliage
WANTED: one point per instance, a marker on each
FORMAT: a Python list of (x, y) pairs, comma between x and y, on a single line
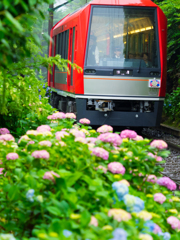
[(34, 207)]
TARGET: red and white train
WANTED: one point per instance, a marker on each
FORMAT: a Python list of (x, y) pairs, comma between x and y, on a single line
[(121, 47)]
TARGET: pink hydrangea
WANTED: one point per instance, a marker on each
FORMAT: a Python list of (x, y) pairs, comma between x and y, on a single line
[(105, 129), (174, 222), (116, 167), (91, 139), (58, 115), (70, 115), (50, 176), (43, 128), (113, 138), (84, 121), (77, 133), (128, 134), (61, 134), (30, 142), (12, 156), (157, 229), (152, 178), (93, 221), (45, 143), (100, 152), (4, 131), (41, 154), (1, 171), (80, 139), (158, 158), (159, 197), (167, 182), (104, 169), (7, 137), (25, 137), (160, 144), (138, 138)]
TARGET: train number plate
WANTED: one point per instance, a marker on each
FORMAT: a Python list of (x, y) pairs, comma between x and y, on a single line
[(154, 83)]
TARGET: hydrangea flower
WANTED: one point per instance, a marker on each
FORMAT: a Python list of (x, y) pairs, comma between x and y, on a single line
[(70, 115), (4, 131), (80, 139), (61, 134), (174, 222), (91, 139), (138, 138), (93, 221), (7, 137), (152, 178), (119, 214), (144, 215), (32, 132), (166, 235), (77, 133), (67, 233), (167, 182), (43, 128), (100, 152), (157, 229), (41, 154), (124, 181), (160, 144), (119, 233), (1, 171), (113, 138), (122, 190), (133, 203), (30, 195), (84, 121), (145, 237), (25, 137), (12, 156), (116, 167), (7, 236), (45, 143), (128, 134), (105, 129), (159, 197), (58, 115), (104, 169), (50, 176)]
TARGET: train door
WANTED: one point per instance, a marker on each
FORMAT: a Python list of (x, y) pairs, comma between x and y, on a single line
[(71, 58)]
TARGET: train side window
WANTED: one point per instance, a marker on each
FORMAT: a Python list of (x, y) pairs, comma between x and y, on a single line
[(72, 58), (67, 44)]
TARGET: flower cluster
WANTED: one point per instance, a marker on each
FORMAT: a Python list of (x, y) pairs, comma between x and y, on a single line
[(12, 156), (174, 222), (116, 167), (160, 144), (77, 133), (113, 138), (119, 233), (119, 214), (58, 115), (159, 197), (167, 182), (61, 134), (128, 134), (70, 115), (121, 189), (50, 176), (100, 152), (40, 154), (45, 143), (105, 129), (84, 121), (43, 128), (7, 137), (4, 131), (152, 178), (133, 203)]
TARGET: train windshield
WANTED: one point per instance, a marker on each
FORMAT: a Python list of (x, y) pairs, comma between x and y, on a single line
[(122, 37)]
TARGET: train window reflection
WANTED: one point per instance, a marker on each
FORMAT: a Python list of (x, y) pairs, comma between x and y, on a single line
[(122, 37)]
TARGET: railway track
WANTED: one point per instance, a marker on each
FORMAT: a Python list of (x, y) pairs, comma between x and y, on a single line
[(172, 165)]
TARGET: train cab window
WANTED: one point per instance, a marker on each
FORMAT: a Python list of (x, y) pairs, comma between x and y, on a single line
[(123, 37)]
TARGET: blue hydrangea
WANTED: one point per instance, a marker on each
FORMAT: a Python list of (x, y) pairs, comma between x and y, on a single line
[(119, 233), (121, 191), (133, 204), (67, 233), (44, 86), (115, 185), (39, 97), (30, 195), (170, 105), (166, 235), (150, 225)]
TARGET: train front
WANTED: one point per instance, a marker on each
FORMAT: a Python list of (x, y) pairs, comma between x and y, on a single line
[(124, 68)]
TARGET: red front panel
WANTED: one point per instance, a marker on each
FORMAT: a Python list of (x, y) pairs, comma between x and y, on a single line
[(162, 30)]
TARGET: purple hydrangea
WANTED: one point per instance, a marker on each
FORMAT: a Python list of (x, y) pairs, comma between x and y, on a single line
[(167, 182), (100, 152), (116, 167), (128, 134)]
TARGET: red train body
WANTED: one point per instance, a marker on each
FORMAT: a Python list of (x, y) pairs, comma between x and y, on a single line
[(121, 47)]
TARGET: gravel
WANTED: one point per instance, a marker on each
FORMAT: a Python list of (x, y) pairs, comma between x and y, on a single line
[(172, 165)]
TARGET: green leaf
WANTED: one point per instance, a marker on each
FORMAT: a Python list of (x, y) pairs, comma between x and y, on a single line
[(73, 178), (85, 218), (13, 193), (54, 210), (13, 21)]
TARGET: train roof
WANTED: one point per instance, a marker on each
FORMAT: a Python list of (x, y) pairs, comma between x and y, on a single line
[(135, 3)]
